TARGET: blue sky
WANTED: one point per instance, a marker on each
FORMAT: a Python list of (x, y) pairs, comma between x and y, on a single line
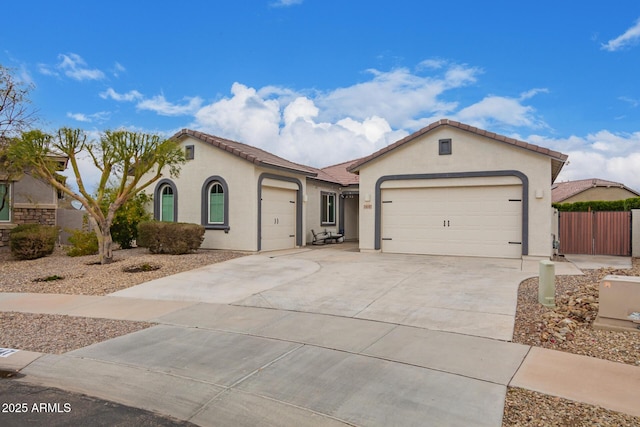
[(324, 81)]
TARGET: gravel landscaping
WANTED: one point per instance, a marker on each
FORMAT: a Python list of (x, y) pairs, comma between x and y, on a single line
[(565, 328), (61, 274), (568, 328)]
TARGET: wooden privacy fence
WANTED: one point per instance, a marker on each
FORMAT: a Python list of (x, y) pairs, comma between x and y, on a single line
[(595, 233)]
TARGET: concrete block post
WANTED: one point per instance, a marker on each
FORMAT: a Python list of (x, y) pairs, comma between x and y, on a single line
[(547, 284), (635, 233)]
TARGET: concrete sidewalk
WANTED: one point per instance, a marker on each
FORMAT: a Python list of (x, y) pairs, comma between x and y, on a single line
[(232, 365)]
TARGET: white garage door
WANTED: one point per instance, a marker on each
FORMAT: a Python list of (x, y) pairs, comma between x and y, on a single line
[(467, 221), (278, 223)]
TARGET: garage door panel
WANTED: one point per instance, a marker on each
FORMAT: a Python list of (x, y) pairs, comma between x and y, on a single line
[(278, 218), (475, 221)]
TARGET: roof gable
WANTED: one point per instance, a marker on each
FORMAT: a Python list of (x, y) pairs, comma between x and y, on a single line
[(249, 153), (557, 158)]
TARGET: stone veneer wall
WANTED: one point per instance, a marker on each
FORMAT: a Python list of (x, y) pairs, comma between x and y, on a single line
[(44, 216), (4, 237)]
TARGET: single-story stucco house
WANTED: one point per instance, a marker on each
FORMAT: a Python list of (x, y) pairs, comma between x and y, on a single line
[(448, 189), (593, 189)]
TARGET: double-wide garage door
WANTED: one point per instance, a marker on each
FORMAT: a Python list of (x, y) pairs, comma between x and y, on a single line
[(467, 221)]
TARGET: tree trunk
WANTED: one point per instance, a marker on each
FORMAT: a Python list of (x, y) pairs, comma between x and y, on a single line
[(105, 244)]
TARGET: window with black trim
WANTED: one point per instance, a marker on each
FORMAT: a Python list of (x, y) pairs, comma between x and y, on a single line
[(444, 146), (5, 203), (328, 206)]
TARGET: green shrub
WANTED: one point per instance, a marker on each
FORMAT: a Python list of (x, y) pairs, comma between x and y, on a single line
[(124, 229), (31, 241), (599, 205), (83, 242), (170, 237)]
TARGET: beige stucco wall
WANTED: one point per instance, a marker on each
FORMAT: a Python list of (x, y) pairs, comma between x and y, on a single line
[(469, 153), (601, 193), (32, 192), (241, 177)]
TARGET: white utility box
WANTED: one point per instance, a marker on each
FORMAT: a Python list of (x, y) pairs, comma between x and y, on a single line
[(619, 305)]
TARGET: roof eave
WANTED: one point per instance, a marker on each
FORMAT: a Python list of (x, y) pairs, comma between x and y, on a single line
[(224, 145)]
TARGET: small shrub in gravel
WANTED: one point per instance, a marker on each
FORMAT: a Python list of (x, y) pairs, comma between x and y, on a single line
[(49, 278), (173, 238), (83, 242), (141, 268), (32, 241)]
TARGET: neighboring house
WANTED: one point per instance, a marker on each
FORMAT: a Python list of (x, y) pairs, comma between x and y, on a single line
[(586, 190), (29, 200), (448, 189)]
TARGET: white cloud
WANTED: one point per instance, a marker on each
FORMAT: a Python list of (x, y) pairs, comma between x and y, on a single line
[(89, 118), (285, 3), (79, 117), (75, 67), (246, 116), (321, 128), (631, 101), (532, 92), (628, 38), (398, 95), (290, 126), (118, 68), (300, 109), (165, 108), (373, 128), (604, 155), (499, 110), (47, 70), (434, 64), (132, 95)]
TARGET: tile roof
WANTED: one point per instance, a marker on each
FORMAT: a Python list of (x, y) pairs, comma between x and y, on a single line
[(339, 174), (558, 158), (251, 154), (563, 190)]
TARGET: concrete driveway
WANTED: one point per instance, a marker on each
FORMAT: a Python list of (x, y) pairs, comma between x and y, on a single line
[(472, 296), (306, 338)]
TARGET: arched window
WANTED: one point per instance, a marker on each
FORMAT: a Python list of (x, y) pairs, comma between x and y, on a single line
[(216, 203), (165, 201)]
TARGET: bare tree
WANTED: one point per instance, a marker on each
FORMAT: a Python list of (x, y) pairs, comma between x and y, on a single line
[(129, 161), (15, 114), (15, 117)]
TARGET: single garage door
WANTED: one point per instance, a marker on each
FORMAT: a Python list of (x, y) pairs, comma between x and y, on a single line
[(278, 222), (467, 221)]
